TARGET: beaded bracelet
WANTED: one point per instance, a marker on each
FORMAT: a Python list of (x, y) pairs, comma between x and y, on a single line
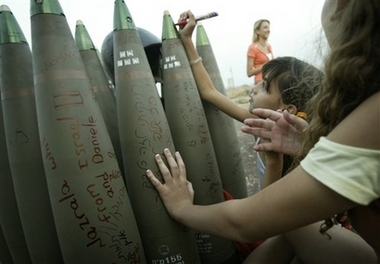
[(193, 62)]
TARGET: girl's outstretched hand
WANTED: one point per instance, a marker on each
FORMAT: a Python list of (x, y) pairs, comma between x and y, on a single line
[(176, 192), (283, 130)]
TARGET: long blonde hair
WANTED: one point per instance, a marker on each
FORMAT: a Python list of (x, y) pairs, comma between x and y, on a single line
[(257, 26)]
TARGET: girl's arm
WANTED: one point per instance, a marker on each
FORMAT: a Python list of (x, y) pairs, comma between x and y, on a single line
[(292, 202), (205, 85), (273, 167)]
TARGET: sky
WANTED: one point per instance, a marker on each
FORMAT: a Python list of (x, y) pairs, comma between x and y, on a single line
[(295, 26)]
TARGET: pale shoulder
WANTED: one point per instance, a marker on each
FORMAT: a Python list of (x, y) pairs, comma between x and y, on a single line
[(361, 128)]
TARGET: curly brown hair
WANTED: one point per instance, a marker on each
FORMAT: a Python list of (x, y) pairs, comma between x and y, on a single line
[(352, 70)]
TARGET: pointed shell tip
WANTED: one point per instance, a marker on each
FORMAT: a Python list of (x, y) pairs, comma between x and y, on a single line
[(4, 8)]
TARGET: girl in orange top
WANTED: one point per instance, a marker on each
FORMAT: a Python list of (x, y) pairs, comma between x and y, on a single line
[(259, 52)]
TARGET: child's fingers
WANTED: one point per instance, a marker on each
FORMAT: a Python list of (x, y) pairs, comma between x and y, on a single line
[(257, 132), (181, 165), (267, 146), (267, 113), (259, 123), (153, 179), (174, 169), (163, 168)]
